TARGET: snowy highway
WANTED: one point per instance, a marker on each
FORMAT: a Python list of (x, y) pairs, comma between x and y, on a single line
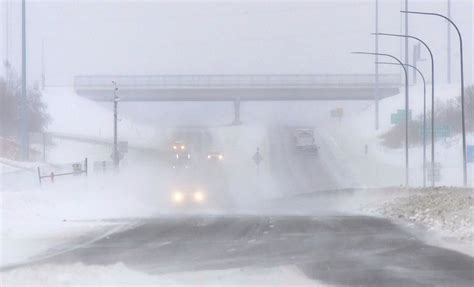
[(326, 245), (337, 250)]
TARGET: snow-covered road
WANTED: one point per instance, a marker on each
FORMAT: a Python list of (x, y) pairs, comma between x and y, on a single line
[(335, 250)]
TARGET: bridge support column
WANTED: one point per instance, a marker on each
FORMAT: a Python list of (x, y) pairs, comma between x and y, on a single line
[(237, 112)]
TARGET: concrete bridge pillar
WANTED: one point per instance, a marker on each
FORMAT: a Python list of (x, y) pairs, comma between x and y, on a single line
[(237, 112)]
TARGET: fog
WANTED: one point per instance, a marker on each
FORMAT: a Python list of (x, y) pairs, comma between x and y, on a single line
[(198, 37)]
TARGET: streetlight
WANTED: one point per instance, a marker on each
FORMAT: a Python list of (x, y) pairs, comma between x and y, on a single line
[(24, 125), (406, 105), (116, 100), (376, 91), (462, 87), (432, 95), (424, 113)]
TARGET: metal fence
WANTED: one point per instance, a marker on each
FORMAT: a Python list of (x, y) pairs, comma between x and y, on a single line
[(236, 81)]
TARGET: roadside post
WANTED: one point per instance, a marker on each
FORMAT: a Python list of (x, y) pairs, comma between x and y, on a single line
[(42, 139), (257, 158), (470, 155), (116, 99), (434, 172)]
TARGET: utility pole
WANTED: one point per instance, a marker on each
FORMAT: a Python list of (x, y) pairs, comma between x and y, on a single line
[(376, 95), (449, 43), (116, 100), (24, 100)]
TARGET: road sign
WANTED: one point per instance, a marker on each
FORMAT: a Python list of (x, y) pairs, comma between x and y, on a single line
[(257, 157), (470, 153), (437, 171), (337, 113), (399, 117), (440, 131), (77, 168)]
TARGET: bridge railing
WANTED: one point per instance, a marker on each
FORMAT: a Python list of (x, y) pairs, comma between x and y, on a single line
[(234, 81)]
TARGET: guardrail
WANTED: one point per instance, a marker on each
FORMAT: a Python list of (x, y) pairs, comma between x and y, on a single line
[(76, 168), (235, 81)]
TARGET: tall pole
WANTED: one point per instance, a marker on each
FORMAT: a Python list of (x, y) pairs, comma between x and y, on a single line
[(449, 44), (463, 122), (115, 155), (5, 63), (432, 96), (376, 92), (424, 113), (407, 61), (24, 109), (43, 76), (416, 58), (406, 107)]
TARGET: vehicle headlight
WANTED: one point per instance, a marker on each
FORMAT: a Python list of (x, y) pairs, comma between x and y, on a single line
[(183, 147), (178, 197), (208, 156), (221, 156), (175, 147), (198, 196)]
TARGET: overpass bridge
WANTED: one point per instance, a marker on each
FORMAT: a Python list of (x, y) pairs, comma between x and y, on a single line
[(238, 88)]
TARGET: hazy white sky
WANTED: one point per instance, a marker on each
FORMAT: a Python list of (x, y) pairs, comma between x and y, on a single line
[(200, 37)]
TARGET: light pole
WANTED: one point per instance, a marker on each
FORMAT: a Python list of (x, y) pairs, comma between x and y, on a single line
[(432, 96), (406, 105), (449, 43), (462, 87), (376, 91), (116, 100), (407, 60), (24, 104), (424, 113), (7, 45)]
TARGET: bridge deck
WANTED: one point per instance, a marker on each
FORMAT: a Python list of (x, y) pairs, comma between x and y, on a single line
[(231, 87)]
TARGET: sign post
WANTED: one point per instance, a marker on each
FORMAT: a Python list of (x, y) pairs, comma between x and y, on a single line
[(257, 158), (470, 153), (437, 172)]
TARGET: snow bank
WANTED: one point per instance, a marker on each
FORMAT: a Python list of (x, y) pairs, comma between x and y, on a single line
[(445, 214), (448, 211), (121, 275)]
